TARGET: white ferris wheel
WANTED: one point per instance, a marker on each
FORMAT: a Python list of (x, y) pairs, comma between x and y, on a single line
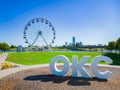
[(39, 32)]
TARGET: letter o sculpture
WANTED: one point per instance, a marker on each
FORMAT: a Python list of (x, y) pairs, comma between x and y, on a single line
[(55, 70)]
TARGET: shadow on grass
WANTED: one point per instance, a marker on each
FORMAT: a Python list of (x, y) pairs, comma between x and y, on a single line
[(115, 57), (70, 80)]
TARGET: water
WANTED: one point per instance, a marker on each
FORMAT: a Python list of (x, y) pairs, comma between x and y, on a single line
[(66, 51)]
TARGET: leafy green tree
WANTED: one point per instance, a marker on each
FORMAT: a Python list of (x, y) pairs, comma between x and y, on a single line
[(117, 45), (77, 44), (4, 46), (13, 46), (111, 46)]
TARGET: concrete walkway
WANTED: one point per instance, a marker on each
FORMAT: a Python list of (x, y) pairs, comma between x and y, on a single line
[(6, 72), (3, 58)]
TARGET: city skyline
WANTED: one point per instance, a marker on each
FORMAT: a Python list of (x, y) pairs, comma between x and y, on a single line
[(90, 21), (74, 42)]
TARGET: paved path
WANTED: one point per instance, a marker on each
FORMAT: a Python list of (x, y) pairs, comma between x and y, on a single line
[(3, 58), (6, 72)]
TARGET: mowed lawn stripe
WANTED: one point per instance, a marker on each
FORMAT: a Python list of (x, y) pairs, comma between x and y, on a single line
[(32, 58)]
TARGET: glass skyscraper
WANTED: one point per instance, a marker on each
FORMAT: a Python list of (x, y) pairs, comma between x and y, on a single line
[(73, 40)]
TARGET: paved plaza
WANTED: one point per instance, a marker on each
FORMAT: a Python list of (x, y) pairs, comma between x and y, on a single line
[(40, 78)]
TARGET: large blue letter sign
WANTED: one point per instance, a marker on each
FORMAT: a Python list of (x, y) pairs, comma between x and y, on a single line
[(79, 66)]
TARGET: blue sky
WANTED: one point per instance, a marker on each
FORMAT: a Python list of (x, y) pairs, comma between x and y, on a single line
[(90, 21)]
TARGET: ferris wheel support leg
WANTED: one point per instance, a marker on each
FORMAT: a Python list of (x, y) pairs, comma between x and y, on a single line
[(48, 47), (46, 43), (33, 43)]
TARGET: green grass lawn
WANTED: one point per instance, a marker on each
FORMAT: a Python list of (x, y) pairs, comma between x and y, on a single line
[(31, 58), (0, 53)]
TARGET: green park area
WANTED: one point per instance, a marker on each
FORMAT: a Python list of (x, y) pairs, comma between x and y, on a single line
[(0, 53), (33, 58)]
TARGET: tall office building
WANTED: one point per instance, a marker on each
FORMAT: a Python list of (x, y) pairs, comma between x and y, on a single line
[(73, 40), (81, 44), (66, 43)]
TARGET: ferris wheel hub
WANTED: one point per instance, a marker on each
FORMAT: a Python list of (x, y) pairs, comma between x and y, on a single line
[(40, 32)]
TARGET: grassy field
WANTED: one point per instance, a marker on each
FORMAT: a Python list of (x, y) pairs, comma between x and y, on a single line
[(0, 53), (31, 58)]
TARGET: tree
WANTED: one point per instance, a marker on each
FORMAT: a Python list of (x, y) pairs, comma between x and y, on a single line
[(4, 46), (111, 46), (117, 45), (13, 46), (77, 44)]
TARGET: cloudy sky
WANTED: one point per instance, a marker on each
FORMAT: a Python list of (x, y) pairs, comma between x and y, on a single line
[(90, 21)]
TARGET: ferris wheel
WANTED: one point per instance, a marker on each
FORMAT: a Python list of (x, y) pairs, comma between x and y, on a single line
[(39, 32)]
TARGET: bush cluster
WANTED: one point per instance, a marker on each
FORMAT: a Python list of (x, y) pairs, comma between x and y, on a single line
[(6, 65), (114, 45)]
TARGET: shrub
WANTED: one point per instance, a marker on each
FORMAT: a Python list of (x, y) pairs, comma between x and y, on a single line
[(6, 65)]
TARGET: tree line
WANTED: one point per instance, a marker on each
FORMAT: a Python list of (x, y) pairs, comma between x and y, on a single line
[(114, 45), (4, 46)]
